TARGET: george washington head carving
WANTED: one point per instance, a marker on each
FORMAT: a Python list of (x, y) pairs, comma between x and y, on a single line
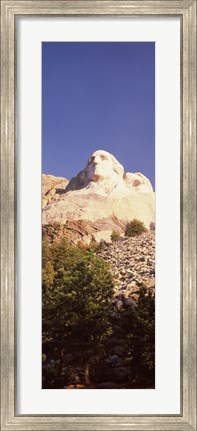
[(103, 166)]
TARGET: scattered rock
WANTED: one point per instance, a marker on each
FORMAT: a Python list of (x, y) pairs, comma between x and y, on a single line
[(119, 305), (129, 303), (125, 259)]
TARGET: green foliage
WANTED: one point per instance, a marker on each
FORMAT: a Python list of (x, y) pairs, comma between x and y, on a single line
[(82, 325), (93, 246), (115, 236), (44, 357), (77, 294), (138, 326), (134, 228)]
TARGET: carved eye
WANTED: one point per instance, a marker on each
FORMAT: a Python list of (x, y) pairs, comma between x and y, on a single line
[(103, 157)]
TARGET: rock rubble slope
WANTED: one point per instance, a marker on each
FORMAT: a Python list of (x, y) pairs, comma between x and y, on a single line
[(132, 261)]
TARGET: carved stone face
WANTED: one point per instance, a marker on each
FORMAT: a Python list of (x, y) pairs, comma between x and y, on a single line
[(102, 166)]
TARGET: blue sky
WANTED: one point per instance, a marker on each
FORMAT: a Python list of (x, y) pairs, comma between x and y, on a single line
[(98, 96)]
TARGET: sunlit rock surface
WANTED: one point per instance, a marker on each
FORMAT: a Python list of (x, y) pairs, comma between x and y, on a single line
[(51, 186), (102, 193)]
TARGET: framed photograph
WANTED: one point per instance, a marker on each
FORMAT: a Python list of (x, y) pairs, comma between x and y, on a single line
[(98, 215)]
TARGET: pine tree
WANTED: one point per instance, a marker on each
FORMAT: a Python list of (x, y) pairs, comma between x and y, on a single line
[(77, 303)]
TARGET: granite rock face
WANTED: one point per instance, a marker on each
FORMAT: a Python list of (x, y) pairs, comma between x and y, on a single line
[(51, 187), (100, 194)]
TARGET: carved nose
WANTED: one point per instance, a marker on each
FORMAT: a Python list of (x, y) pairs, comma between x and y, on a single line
[(96, 160)]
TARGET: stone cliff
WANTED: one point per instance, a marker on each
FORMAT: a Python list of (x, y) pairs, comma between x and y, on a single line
[(102, 197)]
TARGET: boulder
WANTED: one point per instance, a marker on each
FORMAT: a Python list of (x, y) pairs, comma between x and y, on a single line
[(50, 186)]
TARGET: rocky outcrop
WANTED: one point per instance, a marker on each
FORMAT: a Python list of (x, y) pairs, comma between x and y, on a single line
[(51, 187), (83, 230), (103, 192)]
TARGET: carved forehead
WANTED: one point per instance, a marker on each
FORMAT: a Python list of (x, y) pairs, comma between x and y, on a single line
[(101, 153)]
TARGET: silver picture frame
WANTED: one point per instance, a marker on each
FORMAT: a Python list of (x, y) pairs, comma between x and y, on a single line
[(186, 10)]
